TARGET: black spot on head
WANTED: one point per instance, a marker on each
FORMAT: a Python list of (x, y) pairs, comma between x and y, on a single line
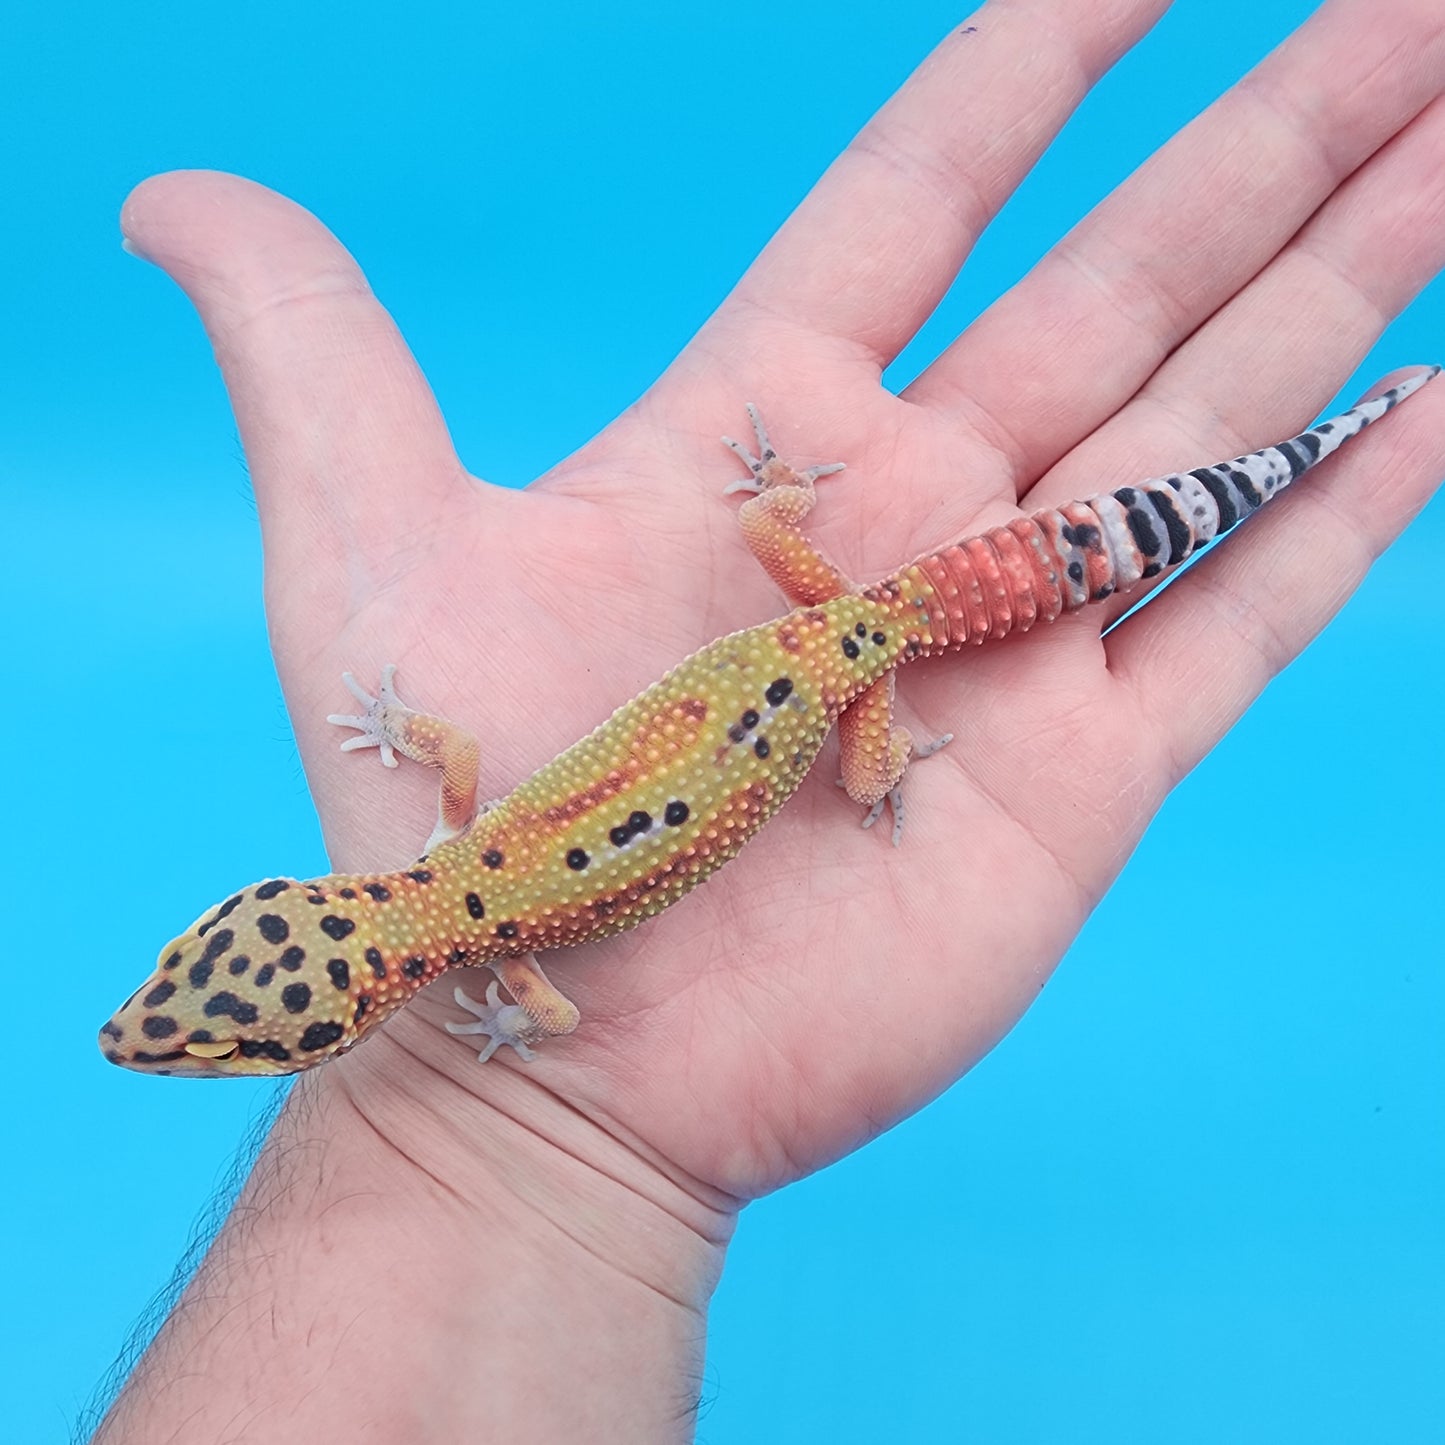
[(337, 928), (850, 648), (378, 891), (200, 1036), (340, 973), (113, 1030), (226, 908), (761, 747), (778, 690), (577, 859), (173, 961), (142, 1057), (318, 1036), (475, 906), (420, 875), (159, 1026), (267, 891), (506, 930), (296, 997), (492, 858), (238, 965), (292, 958), (378, 964), (639, 822), (216, 945), (414, 967), (264, 1048), (750, 719), (200, 972), (227, 1005), (675, 813), (159, 994), (273, 928), (265, 974)]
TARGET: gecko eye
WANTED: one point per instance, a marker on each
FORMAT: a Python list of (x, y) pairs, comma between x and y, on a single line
[(221, 1049)]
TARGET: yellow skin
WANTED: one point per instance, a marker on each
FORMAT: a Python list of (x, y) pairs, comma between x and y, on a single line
[(286, 974)]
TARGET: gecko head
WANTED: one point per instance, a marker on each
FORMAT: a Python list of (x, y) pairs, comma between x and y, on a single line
[(276, 979)]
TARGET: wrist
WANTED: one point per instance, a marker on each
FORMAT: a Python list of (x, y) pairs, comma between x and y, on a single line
[(439, 1251)]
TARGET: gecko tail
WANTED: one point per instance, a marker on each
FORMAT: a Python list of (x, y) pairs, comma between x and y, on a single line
[(1059, 559)]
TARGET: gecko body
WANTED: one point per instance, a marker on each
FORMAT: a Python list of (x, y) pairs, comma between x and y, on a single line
[(287, 973)]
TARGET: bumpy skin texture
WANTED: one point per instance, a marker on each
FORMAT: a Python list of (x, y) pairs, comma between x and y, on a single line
[(286, 974)]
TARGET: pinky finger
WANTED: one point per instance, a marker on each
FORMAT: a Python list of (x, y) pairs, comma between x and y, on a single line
[(1200, 653)]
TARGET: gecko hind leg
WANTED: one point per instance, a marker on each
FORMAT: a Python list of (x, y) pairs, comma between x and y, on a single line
[(875, 752), (782, 497), (539, 1012), (390, 726)]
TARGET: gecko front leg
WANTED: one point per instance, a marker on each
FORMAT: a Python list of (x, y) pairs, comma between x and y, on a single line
[(539, 1012), (392, 727)]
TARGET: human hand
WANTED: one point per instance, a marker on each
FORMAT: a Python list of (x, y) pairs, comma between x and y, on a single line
[(824, 986)]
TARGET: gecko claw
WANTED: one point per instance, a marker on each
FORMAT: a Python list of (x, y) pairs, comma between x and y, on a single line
[(371, 723), (766, 467), (502, 1023)]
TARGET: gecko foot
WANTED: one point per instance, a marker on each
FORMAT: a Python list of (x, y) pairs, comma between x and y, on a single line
[(893, 798), (373, 723), (502, 1023), (767, 468)]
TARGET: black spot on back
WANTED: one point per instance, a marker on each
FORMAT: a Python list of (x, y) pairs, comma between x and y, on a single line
[(577, 859), (420, 875), (378, 964), (267, 891), (475, 906), (378, 891), (337, 928), (850, 648), (676, 811), (778, 691), (340, 973), (506, 930), (762, 748), (492, 858), (414, 967)]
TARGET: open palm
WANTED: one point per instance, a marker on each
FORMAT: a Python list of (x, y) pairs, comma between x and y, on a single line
[(825, 984)]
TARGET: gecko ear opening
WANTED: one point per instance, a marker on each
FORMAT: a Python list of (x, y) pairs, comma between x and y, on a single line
[(221, 1049)]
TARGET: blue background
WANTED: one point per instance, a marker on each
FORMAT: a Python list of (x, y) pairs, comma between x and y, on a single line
[(1195, 1196)]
